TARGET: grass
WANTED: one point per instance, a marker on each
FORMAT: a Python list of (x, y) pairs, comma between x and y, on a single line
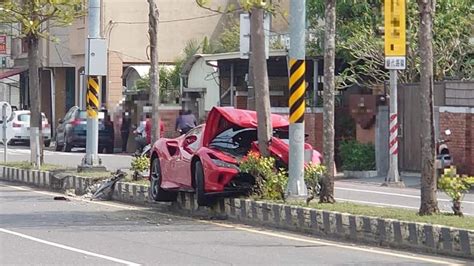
[(26, 165), (447, 219)]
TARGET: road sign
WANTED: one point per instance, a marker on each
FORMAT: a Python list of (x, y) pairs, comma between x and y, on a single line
[(8, 110), (395, 34)]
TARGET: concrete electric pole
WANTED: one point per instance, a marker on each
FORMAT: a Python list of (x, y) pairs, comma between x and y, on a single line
[(95, 66), (296, 185)]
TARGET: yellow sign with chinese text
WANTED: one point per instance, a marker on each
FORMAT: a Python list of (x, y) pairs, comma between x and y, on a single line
[(395, 28)]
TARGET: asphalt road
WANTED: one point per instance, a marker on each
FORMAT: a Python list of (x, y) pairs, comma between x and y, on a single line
[(358, 191), (70, 159), (35, 229), (353, 190)]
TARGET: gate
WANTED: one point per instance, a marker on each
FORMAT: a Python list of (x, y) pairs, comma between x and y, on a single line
[(409, 114)]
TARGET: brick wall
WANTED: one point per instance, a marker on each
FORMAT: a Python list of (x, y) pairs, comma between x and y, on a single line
[(461, 141), (169, 118), (313, 123)]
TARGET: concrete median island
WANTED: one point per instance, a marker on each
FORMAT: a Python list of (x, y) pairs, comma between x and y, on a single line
[(383, 232)]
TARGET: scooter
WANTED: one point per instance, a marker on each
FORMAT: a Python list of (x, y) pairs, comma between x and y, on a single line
[(443, 156)]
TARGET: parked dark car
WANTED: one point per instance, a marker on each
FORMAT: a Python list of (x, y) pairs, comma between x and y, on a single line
[(71, 131)]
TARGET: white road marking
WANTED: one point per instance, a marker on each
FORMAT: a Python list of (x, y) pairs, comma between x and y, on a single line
[(320, 242), (393, 194), (68, 247), (268, 232)]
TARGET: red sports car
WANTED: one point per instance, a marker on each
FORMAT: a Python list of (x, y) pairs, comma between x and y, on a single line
[(206, 159)]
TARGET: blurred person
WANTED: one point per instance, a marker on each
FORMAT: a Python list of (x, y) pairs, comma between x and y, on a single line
[(185, 122)]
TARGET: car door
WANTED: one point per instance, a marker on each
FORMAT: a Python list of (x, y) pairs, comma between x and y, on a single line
[(61, 129), (191, 143)]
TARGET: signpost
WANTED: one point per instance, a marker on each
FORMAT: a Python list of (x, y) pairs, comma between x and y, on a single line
[(6, 134), (395, 52)]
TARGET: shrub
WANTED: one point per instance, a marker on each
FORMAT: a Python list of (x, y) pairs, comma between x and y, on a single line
[(312, 177), (139, 164), (270, 183), (455, 187), (356, 156)]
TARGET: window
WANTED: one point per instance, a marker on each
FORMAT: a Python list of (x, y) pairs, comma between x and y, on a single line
[(195, 132), (26, 118)]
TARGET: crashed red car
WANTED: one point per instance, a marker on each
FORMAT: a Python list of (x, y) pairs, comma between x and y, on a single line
[(206, 159)]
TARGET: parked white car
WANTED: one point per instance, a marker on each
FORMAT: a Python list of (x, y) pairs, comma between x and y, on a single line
[(21, 127)]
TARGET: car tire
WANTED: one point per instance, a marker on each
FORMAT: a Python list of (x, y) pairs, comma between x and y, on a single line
[(109, 149), (66, 147), (47, 143), (157, 193), (58, 147), (202, 199)]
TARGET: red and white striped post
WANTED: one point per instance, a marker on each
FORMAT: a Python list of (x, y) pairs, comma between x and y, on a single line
[(393, 176)]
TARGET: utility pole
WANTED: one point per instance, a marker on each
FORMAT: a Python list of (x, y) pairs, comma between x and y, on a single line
[(395, 51), (296, 185), (153, 17), (95, 66)]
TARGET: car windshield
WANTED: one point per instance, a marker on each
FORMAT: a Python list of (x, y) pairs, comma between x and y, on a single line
[(238, 141), (235, 141), (26, 118)]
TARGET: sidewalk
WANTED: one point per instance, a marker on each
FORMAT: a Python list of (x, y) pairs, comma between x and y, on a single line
[(411, 180)]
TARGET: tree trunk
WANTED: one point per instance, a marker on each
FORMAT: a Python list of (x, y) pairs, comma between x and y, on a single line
[(35, 99), (327, 186), (153, 17), (260, 78), (429, 202)]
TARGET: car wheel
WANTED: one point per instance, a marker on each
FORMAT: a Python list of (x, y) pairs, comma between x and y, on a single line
[(109, 149), (156, 192), (58, 147), (202, 199), (66, 146), (47, 143)]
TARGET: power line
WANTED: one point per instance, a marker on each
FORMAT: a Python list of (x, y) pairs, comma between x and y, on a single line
[(165, 21)]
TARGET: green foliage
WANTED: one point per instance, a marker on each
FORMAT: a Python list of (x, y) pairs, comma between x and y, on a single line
[(356, 156), (140, 163), (455, 187), (360, 43), (270, 183), (313, 173), (32, 15), (229, 40)]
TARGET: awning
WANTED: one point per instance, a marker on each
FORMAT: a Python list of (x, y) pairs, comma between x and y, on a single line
[(8, 72), (142, 70)]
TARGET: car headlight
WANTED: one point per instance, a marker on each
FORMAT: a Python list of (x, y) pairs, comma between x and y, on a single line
[(221, 163)]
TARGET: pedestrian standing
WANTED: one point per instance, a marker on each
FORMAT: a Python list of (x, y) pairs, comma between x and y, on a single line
[(125, 129)]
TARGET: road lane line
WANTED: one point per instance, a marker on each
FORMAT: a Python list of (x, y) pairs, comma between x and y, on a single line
[(68, 247), (320, 242), (393, 194), (278, 235)]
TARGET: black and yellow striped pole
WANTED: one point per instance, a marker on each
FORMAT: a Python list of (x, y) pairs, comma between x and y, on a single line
[(297, 90), (296, 186), (92, 107), (92, 97)]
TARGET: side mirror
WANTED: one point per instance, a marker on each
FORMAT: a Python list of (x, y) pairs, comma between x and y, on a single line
[(60, 121), (447, 132)]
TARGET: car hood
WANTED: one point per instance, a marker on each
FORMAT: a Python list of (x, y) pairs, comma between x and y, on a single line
[(220, 119)]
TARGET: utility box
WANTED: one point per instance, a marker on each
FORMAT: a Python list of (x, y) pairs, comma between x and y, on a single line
[(96, 57)]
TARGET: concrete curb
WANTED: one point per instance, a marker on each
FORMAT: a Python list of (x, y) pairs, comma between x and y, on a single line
[(360, 174), (371, 230)]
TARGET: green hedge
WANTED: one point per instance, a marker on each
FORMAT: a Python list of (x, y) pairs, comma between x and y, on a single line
[(356, 156)]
